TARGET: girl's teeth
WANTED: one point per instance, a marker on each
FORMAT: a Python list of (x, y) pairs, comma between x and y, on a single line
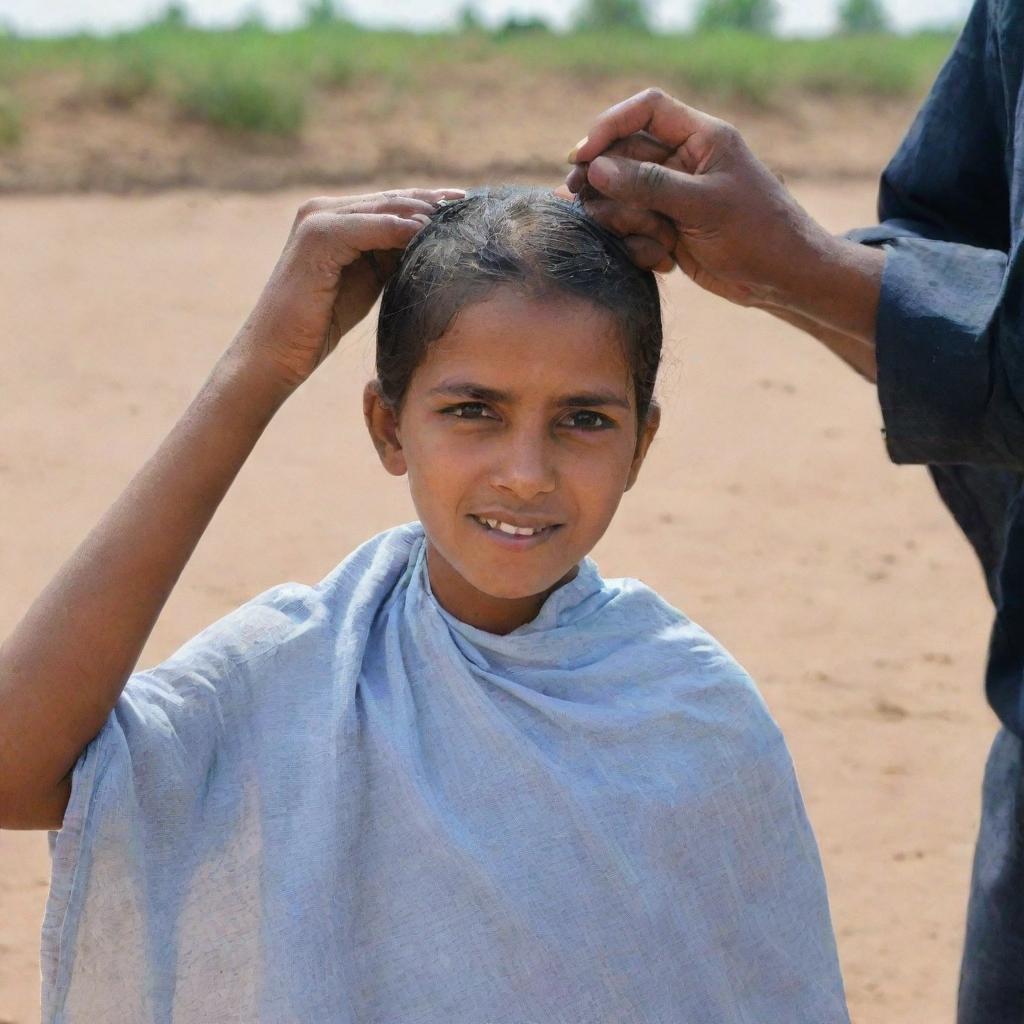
[(516, 531)]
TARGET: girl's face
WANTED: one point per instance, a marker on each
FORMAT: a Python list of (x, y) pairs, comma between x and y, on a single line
[(519, 435)]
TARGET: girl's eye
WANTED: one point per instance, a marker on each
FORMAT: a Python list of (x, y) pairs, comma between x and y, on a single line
[(587, 419), (470, 411)]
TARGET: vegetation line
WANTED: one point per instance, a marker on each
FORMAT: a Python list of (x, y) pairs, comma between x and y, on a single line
[(252, 80)]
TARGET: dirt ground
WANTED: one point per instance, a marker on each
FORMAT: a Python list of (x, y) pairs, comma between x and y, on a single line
[(767, 511)]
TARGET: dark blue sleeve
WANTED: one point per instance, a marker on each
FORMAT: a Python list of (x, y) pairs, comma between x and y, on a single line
[(950, 331)]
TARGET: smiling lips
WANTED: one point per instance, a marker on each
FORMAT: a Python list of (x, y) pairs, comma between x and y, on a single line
[(513, 530)]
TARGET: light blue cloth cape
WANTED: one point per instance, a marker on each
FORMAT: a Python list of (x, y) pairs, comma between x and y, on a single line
[(340, 805)]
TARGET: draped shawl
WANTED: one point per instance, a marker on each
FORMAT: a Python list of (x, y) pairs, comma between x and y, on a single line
[(341, 804)]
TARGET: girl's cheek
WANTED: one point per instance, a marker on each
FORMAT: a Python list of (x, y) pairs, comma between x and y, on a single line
[(445, 457)]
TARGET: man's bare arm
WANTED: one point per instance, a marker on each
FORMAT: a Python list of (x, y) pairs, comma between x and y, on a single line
[(855, 352), (835, 300)]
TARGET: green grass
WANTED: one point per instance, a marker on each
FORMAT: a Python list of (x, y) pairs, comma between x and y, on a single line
[(10, 121), (242, 101), (753, 67), (254, 80), (122, 79)]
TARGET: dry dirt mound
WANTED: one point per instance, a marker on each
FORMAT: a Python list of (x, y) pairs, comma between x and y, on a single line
[(472, 124)]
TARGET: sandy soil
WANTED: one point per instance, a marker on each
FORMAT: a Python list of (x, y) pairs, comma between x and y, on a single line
[(768, 511)]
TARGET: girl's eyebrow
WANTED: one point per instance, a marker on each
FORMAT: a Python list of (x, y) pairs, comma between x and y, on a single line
[(480, 393)]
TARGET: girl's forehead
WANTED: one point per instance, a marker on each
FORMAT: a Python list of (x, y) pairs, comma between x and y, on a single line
[(530, 339)]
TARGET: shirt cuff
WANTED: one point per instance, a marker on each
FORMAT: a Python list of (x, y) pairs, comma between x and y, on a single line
[(933, 347)]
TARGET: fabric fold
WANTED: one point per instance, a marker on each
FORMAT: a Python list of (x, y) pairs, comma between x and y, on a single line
[(341, 804)]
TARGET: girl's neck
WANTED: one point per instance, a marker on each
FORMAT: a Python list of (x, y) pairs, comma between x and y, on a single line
[(500, 615)]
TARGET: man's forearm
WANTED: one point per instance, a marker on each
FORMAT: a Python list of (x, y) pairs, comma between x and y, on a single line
[(855, 352), (832, 291)]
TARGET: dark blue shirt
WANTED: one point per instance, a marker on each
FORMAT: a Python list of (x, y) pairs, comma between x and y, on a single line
[(950, 331)]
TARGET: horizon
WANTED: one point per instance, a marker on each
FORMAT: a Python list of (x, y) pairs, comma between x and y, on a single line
[(103, 17)]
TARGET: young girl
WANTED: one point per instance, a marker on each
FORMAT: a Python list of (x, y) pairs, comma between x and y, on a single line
[(464, 779)]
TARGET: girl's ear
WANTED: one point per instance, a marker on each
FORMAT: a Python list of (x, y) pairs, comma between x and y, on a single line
[(382, 423), (650, 428)]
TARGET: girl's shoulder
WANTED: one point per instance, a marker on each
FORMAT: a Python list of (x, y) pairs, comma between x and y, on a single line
[(679, 657), (299, 616), (266, 664), (636, 610)]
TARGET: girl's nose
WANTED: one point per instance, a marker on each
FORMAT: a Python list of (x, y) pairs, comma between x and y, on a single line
[(526, 468)]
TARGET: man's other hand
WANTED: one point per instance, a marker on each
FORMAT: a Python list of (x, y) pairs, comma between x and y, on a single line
[(738, 231)]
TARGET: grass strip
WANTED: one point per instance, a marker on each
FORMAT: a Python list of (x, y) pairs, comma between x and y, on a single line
[(252, 79)]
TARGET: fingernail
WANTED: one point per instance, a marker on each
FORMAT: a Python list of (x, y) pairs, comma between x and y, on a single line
[(606, 172), (575, 149), (422, 218)]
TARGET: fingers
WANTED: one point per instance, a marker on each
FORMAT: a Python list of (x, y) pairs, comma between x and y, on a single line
[(381, 231), (639, 146), (576, 179), (649, 254), (343, 237), (345, 227), (649, 237), (652, 111), (628, 220), (687, 264), (650, 186), (400, 206), (429, 195), (400, 201)]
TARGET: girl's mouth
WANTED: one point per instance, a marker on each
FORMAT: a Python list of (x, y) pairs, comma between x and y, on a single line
[(516, 537)]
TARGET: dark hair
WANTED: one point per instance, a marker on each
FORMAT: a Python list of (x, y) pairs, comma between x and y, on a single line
[(525, 237)]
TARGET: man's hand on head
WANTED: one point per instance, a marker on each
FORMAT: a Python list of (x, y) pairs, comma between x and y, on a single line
[(739, 232), (649, 237)]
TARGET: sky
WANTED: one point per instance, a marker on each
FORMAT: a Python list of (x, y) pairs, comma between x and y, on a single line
[(797, 16)]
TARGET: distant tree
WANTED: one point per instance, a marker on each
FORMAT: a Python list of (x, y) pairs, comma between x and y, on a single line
[(597, 14), (860, 16), (746, 15), (253, 17), (468, 19), (175, 15), (322, 12), (519, 24)]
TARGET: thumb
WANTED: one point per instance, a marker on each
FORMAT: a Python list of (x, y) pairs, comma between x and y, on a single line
[(648, 185)]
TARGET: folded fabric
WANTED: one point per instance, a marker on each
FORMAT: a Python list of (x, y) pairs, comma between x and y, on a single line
[(341, 804)]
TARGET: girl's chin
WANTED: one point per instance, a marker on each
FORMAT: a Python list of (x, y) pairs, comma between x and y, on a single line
[(496, 580), (523, 589)]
